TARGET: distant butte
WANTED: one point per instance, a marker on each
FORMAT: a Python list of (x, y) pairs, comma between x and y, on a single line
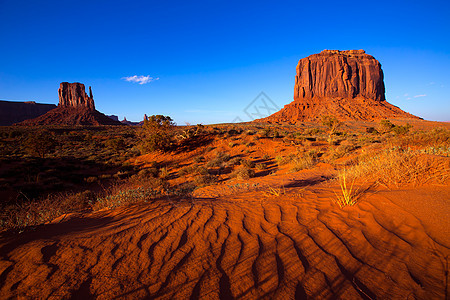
[(346, 84), (75, 108)]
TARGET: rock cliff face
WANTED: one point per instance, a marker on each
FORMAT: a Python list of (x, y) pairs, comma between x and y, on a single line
[(346, 84), (334, 73), (74, 95), (13, 112)]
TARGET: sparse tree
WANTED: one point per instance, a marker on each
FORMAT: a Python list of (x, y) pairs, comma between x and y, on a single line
[(157, 133), (333, 125)]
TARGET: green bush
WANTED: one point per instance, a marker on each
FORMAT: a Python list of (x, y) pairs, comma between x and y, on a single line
[(157, 134)]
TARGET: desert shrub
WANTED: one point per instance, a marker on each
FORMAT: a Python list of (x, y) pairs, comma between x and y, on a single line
[(205, 180), (40, 143), (385, 126), (148, 172), (436, 141), (192, 170), (243, 173), (41, 211), (186, 170), (261, 166), (218, 160), (163, 173), (234, 131), (399, 166), (248, 163), (283, 160), (116, 144), (266, 157), (305, 161), (190, 132), (234, 161), (266, 132), (125, 197), (401, 129), (313, 131), (157, 133), (371, 130), (345, 148), (332, 123)]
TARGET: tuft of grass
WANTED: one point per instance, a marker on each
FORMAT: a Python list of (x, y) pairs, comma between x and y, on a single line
[(283, 160), (163, 172), (261, 166), (277, 192), (248, 163), (349, 195), (243, 173), (205, 180), (218, 160), (306, 161)]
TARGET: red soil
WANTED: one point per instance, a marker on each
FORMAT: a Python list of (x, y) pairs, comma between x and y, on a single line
[(247, 244)]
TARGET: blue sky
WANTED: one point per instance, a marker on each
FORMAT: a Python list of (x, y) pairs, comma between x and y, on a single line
[(210, 59)]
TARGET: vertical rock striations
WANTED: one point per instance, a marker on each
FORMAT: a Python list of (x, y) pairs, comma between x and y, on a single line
[(346, 84), (74, 95), (334, 73)]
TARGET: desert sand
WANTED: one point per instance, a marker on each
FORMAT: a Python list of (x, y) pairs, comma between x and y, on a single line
[(244, 244)]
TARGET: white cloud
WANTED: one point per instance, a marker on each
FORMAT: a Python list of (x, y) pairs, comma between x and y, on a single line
[(140, 79), (405, 95), (418, 96)]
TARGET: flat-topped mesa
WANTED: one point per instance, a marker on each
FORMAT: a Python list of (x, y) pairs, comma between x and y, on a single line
[(74, 95), (339, 74), (345, 84)]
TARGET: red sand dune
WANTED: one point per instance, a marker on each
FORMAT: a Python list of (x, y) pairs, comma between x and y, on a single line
[(243, 245)]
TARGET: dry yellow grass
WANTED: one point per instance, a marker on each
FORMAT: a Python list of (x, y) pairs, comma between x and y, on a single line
[(397, 166)]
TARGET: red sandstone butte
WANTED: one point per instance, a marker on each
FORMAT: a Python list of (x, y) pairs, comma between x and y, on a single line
[(346, 84), (74, 95), (75, 108)]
